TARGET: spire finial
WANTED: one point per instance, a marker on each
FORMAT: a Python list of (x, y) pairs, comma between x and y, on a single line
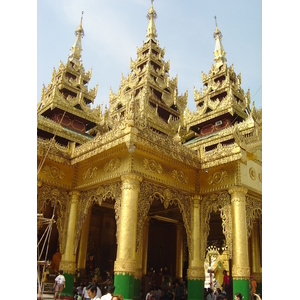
[(219, 50), (76, 48), (151, 31)]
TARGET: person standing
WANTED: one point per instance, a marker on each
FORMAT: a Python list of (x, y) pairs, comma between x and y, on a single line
[(59, 284), (110, 292), (92, 292), (225, 284)]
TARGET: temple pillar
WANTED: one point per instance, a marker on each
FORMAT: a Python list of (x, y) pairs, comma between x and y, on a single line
[(179, 250), (256, 256), (138, 272), (195, 272), (68, 261), (83, 245), (125, 264), (240, 258), (145, 245)]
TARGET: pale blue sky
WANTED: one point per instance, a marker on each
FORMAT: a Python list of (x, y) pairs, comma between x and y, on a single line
[(114, 28)]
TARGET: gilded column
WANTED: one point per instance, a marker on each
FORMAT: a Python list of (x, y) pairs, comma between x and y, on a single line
[(145, 245), (68, 261), (195, 271), (240, 259), (179, 251), (256, 255), (83, 245), (125, 264)]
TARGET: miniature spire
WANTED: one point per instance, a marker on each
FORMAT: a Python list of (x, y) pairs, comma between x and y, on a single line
[(219, 50), (76, 48), (151, 31)]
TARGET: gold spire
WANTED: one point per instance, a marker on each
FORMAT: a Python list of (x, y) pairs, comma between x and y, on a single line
[(76, 48), (219, 50), (151, 31)]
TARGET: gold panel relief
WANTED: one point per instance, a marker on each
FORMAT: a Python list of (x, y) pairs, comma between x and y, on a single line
[(53, 172), (152, 166)]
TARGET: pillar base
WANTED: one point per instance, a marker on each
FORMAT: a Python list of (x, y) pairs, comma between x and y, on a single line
[(196, 289), (137, 288), (68, 290), (124, 285), (241, 286)]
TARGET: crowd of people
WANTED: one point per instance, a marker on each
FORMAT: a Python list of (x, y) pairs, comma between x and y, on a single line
[(178, 292)]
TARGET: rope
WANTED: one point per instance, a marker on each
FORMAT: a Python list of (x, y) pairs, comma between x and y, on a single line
[(50, 144)]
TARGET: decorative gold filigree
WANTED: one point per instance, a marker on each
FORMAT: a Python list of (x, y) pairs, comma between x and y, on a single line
[(53, 172), (149, 192), (217, 178), (89, 173), (252, 173), (152, 166), (87, 199), (217, 203), (179, 176), (112, 165), (59, 199)]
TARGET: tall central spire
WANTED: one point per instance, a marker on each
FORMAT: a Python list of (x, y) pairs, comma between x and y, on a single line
[(219, 50), (151, 31), (75, 53)]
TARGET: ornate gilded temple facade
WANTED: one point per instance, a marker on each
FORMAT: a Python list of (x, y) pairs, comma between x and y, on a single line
[(146, 188)]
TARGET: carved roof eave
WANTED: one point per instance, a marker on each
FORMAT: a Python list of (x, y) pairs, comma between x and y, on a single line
[(221, 155), (156, 122), (55, 151), (54, 128), (100, 144), (72, 110), (148, 139), (201, 118)]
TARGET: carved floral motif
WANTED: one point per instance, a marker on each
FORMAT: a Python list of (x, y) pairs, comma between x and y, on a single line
[(217, 177), (252, 173), (89, 173), (152, 166), (112, 165), (53, 172), (179, 176)]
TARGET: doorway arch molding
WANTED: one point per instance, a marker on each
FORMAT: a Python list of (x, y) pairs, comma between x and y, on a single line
[(168, 197), (218, 202), (48, 194), (96, 196)]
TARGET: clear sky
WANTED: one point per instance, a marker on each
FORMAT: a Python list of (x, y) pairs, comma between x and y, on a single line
[(115, 28)]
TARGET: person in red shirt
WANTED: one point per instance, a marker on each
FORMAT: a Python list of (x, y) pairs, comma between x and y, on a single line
[(225, 284)]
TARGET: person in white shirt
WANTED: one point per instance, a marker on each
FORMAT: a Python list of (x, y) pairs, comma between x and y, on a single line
[(92, 292), (85, 293), (110, 292), (59, 284)]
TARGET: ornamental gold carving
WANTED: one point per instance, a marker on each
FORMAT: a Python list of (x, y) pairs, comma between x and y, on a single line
[(240, 272), (260, 177), (68, 266), (125, 266), (112, 165), (217, 177), (150, 192), (252, 173), (195, 273), (59, 200), (179, 176), (89, 173), (152, 166), (218, 203), (53, 172)]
